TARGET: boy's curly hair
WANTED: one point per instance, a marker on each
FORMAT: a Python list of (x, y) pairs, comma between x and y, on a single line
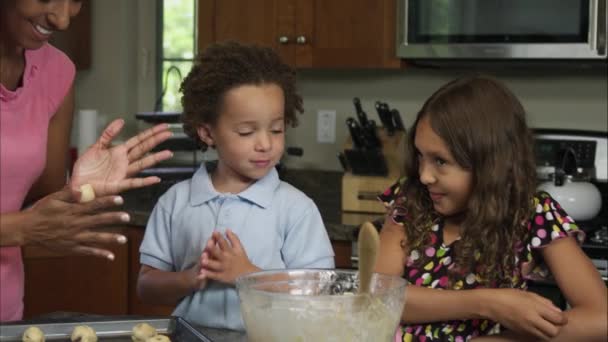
[(224, 66), (484, 126)]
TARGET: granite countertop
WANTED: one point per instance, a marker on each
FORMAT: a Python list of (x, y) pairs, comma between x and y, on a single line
[(324, 187)]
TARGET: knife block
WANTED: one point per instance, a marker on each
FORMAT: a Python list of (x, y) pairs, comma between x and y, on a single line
[(359, 192)]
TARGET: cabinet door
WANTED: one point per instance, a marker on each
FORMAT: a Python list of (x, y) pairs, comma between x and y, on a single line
[(307, 33), (136, 306), (264, 22), (56, 281), (346, 33), (343, 252)]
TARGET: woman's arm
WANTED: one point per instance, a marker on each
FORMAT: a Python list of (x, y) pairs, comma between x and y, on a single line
[(583, 288), (58, 222), (53, 178), (155, 286)]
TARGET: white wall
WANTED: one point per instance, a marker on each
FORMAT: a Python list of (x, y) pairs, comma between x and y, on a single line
[(120, 83), (121, 80), (553, 98)]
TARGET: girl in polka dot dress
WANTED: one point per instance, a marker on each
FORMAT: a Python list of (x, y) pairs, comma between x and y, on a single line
[(467, 228)]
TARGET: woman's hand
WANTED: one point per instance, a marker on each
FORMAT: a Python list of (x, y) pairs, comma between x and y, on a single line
[(59, 222), (525, 312), (225, 260), (109, 169)]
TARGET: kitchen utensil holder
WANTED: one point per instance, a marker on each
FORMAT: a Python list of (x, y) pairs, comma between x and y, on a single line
[(359, 191)]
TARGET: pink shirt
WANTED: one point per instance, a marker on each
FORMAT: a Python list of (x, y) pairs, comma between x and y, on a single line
[(24, 121)]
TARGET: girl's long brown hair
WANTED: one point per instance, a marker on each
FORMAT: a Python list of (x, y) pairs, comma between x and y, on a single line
[(484, 126)]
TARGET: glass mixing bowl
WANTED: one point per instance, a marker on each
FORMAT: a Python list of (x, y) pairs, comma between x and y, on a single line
[(319, 305)]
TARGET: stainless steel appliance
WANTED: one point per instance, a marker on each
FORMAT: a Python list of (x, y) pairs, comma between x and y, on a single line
[(591, 150), (502, 29)]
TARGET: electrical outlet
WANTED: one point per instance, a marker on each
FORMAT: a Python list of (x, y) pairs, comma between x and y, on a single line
[(326, 126)]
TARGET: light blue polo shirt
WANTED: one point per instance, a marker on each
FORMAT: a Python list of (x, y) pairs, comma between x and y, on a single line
[(277, 224)]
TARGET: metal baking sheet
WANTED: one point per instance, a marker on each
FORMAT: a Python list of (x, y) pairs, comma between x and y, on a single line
[(112, 330)]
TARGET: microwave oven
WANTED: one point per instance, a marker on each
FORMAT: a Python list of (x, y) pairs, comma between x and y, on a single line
[(502, 29)]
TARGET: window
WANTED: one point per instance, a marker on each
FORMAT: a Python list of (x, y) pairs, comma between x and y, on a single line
[(176, 48)]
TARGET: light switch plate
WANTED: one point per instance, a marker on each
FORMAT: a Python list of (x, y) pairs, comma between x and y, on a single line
[(326, 126)]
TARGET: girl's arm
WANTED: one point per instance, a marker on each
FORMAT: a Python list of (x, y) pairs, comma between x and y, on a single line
[(518, 310), (155, 286), (583, 288), (53, 178), (422, 304)]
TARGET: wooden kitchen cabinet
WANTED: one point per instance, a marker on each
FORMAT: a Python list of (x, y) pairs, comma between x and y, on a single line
[(136, 306), (343, 251), (59, 281), (76, 40), (307, 33)]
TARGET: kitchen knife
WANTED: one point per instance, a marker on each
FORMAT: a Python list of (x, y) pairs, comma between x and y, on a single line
[(366, 162), (378, 106), (343, 162), (385, 117), (361, 115), (397, 120), (355, 133), (372, 135), (389, 119)]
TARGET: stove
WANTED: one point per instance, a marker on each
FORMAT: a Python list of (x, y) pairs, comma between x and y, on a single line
[(596, 247), (591, 149)]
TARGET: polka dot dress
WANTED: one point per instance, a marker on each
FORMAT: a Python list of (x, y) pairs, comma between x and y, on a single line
[(548, 223)]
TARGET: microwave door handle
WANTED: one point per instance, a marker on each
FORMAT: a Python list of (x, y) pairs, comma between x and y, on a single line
[(402, 29), (601, 28), (597, 26), (593, 29)]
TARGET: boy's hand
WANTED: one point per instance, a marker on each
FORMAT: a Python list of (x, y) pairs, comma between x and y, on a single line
[(195, 277), (225, 260)]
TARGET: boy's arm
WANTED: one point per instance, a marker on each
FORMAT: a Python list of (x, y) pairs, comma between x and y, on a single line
[(158, 281), (155, 286), (306, 242)]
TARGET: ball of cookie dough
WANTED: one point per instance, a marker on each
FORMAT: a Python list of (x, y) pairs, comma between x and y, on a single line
[(83, 333), (159, 338), (142, 332), (33, 334), (87, 193)]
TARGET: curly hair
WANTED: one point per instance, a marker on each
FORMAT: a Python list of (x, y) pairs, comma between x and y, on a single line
[(484, 126), (224, 66)]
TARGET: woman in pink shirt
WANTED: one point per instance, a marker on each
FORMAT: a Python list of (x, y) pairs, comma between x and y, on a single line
[(36, 106)]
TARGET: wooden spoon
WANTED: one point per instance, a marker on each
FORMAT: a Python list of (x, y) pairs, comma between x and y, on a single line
[(368, 244)]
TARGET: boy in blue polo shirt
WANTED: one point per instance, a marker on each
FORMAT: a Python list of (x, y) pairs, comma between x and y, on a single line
[(238, 217)]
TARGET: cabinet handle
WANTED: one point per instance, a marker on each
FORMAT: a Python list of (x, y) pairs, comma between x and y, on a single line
[(283, 39), (301, 40)]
